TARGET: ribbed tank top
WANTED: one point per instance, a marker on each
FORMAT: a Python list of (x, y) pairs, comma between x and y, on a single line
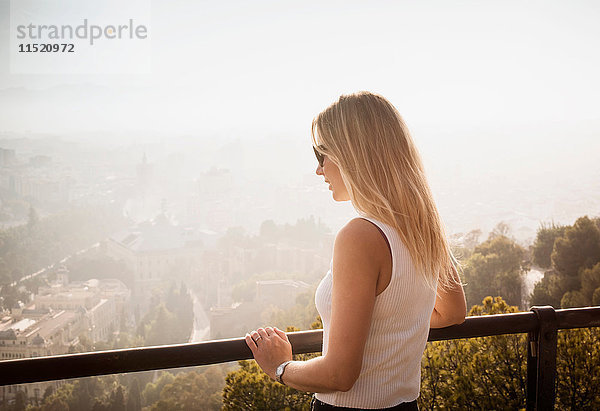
[(391, 368)]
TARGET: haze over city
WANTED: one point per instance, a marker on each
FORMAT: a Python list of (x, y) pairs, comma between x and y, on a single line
[(500, 97)]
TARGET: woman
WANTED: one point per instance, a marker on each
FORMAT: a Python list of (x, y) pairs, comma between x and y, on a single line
[(379, 298)]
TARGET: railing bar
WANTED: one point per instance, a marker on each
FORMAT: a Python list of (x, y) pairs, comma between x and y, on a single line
[(140, 359), (487, 325), (220, 351), (583, 317)]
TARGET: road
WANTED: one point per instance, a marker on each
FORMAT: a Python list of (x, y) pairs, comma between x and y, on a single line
[(51, 266), (201, 330)]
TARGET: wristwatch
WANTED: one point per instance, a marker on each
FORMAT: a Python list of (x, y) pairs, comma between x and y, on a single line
[(279, 372)]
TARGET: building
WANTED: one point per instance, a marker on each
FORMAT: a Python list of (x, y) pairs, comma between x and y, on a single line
[(102, 302), (280, 293), (51, 334), (7, 157), (233, 321), (52, 324), (157, 251)]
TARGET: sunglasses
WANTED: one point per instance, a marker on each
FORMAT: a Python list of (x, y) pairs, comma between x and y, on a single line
[(320, 157)]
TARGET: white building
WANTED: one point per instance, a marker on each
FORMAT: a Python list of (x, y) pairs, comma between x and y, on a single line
[(157, 251)]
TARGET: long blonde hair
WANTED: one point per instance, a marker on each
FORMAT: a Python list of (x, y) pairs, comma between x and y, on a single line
[(365, 136)]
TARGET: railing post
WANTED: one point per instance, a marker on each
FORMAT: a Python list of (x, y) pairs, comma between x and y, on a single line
[(541, 360)]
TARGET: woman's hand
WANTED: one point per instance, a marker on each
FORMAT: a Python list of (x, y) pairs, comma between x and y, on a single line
[(270, 347)]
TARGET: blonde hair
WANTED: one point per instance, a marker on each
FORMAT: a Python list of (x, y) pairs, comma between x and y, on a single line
[(365, 136)]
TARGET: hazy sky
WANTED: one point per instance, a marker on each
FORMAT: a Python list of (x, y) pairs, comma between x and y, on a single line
[(447, 65), (496, 86)]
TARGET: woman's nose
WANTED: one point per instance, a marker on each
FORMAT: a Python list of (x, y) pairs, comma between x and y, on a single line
[(319, 170)]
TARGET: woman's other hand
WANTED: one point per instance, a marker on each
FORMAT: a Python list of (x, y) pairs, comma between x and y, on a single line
[(270, 347)]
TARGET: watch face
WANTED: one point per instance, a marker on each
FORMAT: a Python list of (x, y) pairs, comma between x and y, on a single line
[(279, 371)]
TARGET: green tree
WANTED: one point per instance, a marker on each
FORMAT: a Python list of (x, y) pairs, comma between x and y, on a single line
[(301, 315), (249, 388), (58, 400), (502, 229), (575, 275), (117, 402), (548, 291), (544, 243), (572, 299), (151, 392), (56, 404), (134, 398), (32, 219), (163, 328), (490, 372), (83, 393), (269, 231), (496, 267), (48, 392), (476, 373), (20, 401), (590, 284), (578, 369), (578, 248), (189, 391)]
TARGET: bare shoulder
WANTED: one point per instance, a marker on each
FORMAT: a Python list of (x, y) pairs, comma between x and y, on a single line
[(363, 239)]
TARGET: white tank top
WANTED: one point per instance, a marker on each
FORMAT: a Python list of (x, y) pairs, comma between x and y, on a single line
[(391, 368)]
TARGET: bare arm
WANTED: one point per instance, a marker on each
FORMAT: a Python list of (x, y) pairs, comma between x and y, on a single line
[(450, 305), (358, 250)]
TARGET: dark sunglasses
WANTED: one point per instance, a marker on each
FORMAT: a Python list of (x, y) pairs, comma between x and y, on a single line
[(320, 157)]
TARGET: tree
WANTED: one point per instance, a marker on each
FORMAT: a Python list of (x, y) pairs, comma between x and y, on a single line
[(578, 248), (578, 369), (117, 402), (476, 373), (573, 299), (151, 392), (496, 267), (163, 329), (548, 291), (544, 244), (20, 401), (48, 392), (471, 239), (249, 388), (596, 297), (56, 404), (269, 231), (134, 398), (590, 284), (502, 229), (59, 399), (575, 275), (32, 219), (83, 393), (189, 391), (490, 372)]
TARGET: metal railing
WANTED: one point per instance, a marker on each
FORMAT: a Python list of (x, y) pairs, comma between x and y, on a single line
[(541, 324)]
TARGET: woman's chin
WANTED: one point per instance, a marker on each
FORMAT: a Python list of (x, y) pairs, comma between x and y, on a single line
[(339, 199)]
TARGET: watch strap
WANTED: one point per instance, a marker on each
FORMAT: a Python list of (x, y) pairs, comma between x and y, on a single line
[(280, 370)]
